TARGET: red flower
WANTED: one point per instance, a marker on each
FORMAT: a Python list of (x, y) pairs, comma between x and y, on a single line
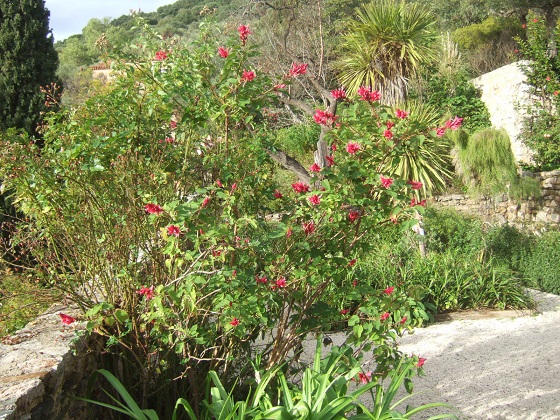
[(384, 316), (169, 140), (352, 262), (355, 283), (233, 186), (234, 322), (205, 202), (440, 132), (219, 183), (223, 52), (388, 134), (147, 292), (297, 69), (524, 26), (324, 117), (300, 187), (535, 20), (330, 160), (555, 93), (454, 123), (386, 182), (352, 147), (153, 208), (308, 227), (277, 194), (160, 55), (421, 361), (413, 202), (281, 282), (364, 378), (278, 87), (314, 199), (67, 319), (173, 125), (415, 185), (401, 114), (338, 94), (403, 320), (389, 290), (244, 33), (353, 215), (315, 168), (173, 230), (344, 311), (366, 94), (262, 279), (289, 232), (247, 76), (389, 125)]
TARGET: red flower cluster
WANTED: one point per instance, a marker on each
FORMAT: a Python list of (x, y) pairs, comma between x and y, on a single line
[(281, 282), (173, 125), (324, 117), (161, 55), (366, 94), (364, 378), (344, 311), (262, 279), (385, 316), (452, 124), (338, 94), (421, 361), (244, 33), (147, 292), (308, 227), (353, 215), (315, 168), (413, 202), (300, 187), (173, 230), (247, 76), (330, 160), (352, 262), (314, 199), (352, 147), (388, 134), (205, 202), (234, 322), (67, 319), (153, 208), (415, 185), (386, 182), (389, 290), (401, 114), (223, 52), (389, 124), (277, 194), (297, 69)]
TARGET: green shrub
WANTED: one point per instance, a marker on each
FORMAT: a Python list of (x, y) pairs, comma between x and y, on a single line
[(543, 264), (509, 246)]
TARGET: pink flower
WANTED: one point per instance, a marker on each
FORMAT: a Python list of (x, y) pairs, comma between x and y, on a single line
[(352, 262), (247, 76), (353, 215), (147, 292), (338, 94), (289, 232), (548, 78), (386, 182), (234, 322), (389, 290), (388, 134), (262, 279), (413, 202), (314, 199), (278, 87), (223, 52), (415, 185), (205, 202), (384, 316), (161, 55), (389, 125), (233, 186), (364, 378), (173, 230), (281, 282), (169, 140), (277, 194), (300, 187), (324, 117), (352, 147), (440, 132), (219, 183), (173, 125), (244, 33), (153, 208), (421, 361), (555, 93), (315, 168), (403, 320), (308, 227), (454, 123), (344, 311), (401, 114), (297, 69), (333, 147), (67, 319), (330, 160), (366, 94)]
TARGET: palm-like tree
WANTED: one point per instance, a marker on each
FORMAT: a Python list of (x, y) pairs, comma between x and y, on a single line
[(385, 45)]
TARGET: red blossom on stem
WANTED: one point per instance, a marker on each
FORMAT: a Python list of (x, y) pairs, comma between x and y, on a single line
[(385, 316), (161, 55), (244, 33), (315, 199), (173, 125), (173, 230), (344, 311), (234, 322), (297, 69), (338, 94), (388, 134), (389, 124), (277, 194), (389, 290), (324, 117), (315, 168), (279, 86), (364, 378), (289, 232), (330, 160), (147, 292), (366, 94), (352, 262), (415, 185), (421, 361), (247, 76), (67, 319), (300, 187), (413, 202), (205, 202), (281, 283), (454, 123), (399, 113), (352, 147), (403, 320), (223, 52), (353, 215), (308, 227), (440, 132), (153, 209), (386, 182), (262, 279)]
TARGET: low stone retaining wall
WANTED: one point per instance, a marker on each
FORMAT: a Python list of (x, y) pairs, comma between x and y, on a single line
[(531, 214), (42, 368)]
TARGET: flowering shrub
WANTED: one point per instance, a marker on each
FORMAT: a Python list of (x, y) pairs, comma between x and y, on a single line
[(167, 245)]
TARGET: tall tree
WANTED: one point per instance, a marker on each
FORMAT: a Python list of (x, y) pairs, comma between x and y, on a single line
[(28, 61)]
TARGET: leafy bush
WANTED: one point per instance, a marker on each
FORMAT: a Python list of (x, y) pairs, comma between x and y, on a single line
[(543, 264)]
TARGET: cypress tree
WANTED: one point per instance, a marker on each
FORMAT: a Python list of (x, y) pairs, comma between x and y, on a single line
[(28, 61)]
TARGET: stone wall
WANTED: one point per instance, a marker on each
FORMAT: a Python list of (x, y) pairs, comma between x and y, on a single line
[(43, 367), (531, 214)]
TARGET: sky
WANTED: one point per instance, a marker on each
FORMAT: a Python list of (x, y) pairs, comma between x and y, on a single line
[(70, 17)]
